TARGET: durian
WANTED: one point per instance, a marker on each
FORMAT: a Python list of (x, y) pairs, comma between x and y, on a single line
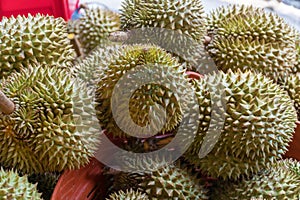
[(128, 195), (248, 38), (160, 178), (259, 122), (130, 65), (185, 16), (13, 186), (280, 181), (53, 127), (176, 26), (94, 27), (292, 85), (38, 39)]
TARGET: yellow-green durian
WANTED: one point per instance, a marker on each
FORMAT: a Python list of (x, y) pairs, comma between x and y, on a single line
[(52, 127), (186, 16), (132, 64), (94, 27), (292, 85), (249, 38), (35, 39), (128, 195), (250, 129), (13, 186), (280, 181)]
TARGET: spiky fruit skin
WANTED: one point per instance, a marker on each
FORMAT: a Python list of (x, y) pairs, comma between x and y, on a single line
[(45, 183), (12, 186), (52, 127), (128, 195), (292, 85), (259, 122), (249, 38), (160, 178), (94, 27), (185, 16), (280, 181), (157, 64), (34, 39)]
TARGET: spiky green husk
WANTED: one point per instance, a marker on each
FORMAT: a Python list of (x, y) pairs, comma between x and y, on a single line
[(45, 183), (128, 195), (292, 85), (141, 61), (33, 39), (52, 127), (185, 16), (280, 181), (259, 121), (12, 186), (94, 27), (249, 38), (159, 178)]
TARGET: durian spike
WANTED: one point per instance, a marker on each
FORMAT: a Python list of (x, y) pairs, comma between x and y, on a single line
[(6, 105)]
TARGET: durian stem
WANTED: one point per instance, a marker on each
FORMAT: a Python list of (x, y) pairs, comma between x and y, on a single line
[(6, 105), (76, 46)]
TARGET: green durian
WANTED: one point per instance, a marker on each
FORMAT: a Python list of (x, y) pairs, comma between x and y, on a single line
[(185, 16), (160, 178), (259, 122), (94, 27), (45, 183), (248, 38), (176, 26), (280, 181), (13, 186), (292, 85), (53, 127), (132, 64), (128, 195), (35, 39)]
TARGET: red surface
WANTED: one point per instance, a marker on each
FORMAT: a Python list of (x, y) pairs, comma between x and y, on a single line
[(294, 148), (194, 75), (83, 184), (57, 8)]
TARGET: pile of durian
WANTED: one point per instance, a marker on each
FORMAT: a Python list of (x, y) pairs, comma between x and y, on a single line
[(244, 110)]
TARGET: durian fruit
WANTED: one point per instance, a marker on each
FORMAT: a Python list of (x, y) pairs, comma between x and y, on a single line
[(45, 183), (259, 122), (292, 85), (34, 39), (13, 186), (280, 181), (163, 179), (185, 16), (176, 26), (128, 195), (53, 127), (125, 68), (94, 27), (248, 38)]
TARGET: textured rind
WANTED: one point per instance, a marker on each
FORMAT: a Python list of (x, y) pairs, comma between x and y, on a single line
[(162, 179), (280, 181), (157, 64), (94, 27), (128, 195), (249, 38), (13, 186), (53, 127), (292, 85), (34, 39), (176, 26), (186, 16), (259, 123)]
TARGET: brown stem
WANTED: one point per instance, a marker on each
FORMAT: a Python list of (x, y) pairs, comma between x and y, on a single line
[(6, 105)]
